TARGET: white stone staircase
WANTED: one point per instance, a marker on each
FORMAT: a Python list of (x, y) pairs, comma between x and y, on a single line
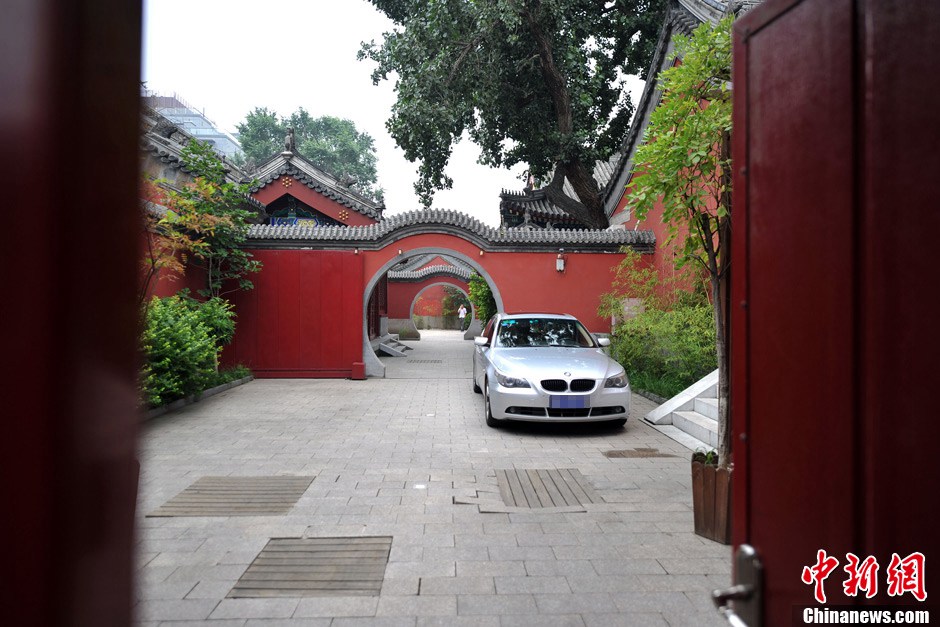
[(691, 417), (392, 347)]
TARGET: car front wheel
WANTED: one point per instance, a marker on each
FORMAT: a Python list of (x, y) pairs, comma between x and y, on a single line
[(487, 410)]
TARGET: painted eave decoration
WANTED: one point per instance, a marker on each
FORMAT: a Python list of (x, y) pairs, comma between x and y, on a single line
[(289, 166)]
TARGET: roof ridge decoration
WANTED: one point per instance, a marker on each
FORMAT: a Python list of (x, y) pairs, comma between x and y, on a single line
[(375, 236), (316, 178)]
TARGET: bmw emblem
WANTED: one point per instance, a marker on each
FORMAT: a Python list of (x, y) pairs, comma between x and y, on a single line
[(567, 374)]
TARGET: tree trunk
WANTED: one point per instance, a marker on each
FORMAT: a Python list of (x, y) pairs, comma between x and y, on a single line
[(721, 348), (592, 215), (590, 209), (722, 285)]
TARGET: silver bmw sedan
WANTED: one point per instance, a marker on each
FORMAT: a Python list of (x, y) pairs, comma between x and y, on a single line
[(547, 367)]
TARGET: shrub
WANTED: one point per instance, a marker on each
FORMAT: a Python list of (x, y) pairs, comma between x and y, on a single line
[(180, 353), (216, 314), (664, 352), (228, 375), (482, 297)]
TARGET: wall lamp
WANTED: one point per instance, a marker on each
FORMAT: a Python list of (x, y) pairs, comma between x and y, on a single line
[(560, 260)]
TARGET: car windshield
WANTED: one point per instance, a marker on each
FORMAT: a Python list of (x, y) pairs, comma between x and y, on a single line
[(531, 332)]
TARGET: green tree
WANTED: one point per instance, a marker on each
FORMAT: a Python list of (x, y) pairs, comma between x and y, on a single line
[(211, 211), (482, 298), (686, 164), (261, 135), (538, 82), (331, 143)]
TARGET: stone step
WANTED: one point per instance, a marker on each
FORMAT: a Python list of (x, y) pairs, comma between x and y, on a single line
[(391, 350), (709, 392), (698, 426), (707, 407)]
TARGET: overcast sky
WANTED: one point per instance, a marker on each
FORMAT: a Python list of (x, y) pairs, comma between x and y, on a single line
[(226, 57)]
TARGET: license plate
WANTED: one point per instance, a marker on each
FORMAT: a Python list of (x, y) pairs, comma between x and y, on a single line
[(568, 402)]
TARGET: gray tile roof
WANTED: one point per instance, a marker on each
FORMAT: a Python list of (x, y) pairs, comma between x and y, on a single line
[(375, 236), (541, 208), (298, 168), (413, 264), (430, 271)]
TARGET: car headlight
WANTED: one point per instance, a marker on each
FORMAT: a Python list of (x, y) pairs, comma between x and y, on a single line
[(510, 382), (617, 381)]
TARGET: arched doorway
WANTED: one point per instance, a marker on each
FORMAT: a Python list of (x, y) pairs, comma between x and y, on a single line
[(413, 312), (373, 366)]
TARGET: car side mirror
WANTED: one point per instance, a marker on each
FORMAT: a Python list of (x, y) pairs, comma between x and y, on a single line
[(481, 340), (603, 342)]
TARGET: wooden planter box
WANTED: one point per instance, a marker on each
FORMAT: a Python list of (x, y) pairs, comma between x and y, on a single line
[(711, 501)]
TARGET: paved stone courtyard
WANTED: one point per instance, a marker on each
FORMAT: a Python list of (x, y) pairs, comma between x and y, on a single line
[(394, 457)]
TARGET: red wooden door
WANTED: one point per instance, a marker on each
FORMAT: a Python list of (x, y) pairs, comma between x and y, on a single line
[(833, 370), (304, 316)]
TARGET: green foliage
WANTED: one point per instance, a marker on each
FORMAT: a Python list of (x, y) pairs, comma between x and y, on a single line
[(211, 212), (530, 81), (331, 143), (216, 314), (180, 355), (453, 298), (664, 352), (181, 343), (261, 135), (670, 342), (482, 298), (684, 163), (228, 375), (707, 457)]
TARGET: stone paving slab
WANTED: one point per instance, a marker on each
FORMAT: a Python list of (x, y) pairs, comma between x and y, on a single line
[(396, 457)]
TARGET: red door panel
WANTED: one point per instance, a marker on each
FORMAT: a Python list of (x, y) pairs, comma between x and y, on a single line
[(304, 316), (832, 344)]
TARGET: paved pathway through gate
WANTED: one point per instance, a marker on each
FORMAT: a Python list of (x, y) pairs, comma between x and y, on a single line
[(395, 457)]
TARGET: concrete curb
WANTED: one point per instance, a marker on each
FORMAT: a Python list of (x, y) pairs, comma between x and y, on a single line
[(183, 402)]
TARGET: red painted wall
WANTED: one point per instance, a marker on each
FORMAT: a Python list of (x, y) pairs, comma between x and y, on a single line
[(664, 258), (525, 280), (401, 295), (430, 303), (304, 316)]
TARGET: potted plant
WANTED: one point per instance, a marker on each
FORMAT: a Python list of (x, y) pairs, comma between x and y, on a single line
[(711, 496)]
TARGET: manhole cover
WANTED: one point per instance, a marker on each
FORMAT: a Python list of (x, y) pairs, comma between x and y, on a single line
[(545, 488), (309, 567), (637, 452), (425, 361), (236, 496)]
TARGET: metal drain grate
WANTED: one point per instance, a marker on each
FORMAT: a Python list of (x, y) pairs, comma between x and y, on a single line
[(545, 488), (425, 361), (310, 567), (235, 496), (637, 453)]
